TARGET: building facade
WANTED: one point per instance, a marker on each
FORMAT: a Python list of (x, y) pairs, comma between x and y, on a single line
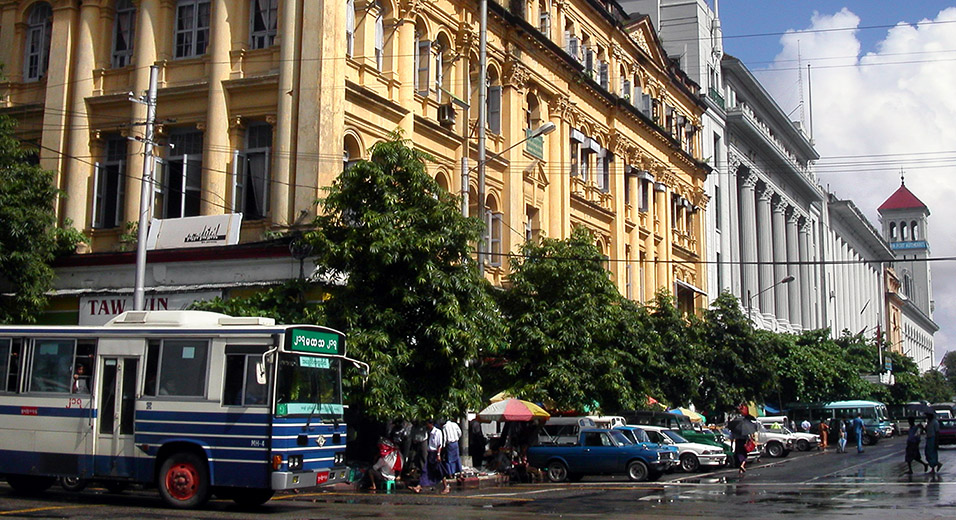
[(905, 226), (262, 103)]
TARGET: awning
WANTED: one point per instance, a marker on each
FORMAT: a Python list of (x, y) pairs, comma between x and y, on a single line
[(685, 285)]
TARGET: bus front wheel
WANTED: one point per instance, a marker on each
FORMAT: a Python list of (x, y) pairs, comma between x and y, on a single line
[(184, 480)]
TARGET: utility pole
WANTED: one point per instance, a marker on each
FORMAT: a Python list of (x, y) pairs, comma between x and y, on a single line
[(482, 122), (146, 190)]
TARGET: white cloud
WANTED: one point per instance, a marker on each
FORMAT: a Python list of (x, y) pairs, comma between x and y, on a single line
[(884, 110)]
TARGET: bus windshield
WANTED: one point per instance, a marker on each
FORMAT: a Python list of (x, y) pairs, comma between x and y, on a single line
[(309, 385)]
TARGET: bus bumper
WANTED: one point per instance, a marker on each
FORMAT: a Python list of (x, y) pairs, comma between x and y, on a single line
[(307, 479)]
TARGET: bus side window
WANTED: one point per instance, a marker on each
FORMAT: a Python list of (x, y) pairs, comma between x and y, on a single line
[(232, 382), (14, 367), (52, 368), (5, 348), (182, 368), (83, 367)]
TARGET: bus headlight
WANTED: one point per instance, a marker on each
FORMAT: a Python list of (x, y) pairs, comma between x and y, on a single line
[(339, 458), (295, 462)]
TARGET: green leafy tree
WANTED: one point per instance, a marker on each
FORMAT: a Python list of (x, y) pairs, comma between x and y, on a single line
[(737, 363), (29, 237), (413, 303), (814, 367), (572, 339), (907, 385), (286, 303), (948, 366), (935, 388), (678, 354)]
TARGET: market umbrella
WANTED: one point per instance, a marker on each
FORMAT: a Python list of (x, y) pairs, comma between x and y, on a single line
[(501, 396), (690, 414), (513, 410), (742, 427)]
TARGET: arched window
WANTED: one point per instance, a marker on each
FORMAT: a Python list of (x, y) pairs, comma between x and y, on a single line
[(625, 91), (37, 45), (422, 60), (442, 179), (264, 23), (495, 224), (123, 33), (571, 43), (914, 230), (379, 13), (352, 152), (494, 101), (533, 113), (350, 28), (903, 234), (892, 230), (443, 66), (544, 19)]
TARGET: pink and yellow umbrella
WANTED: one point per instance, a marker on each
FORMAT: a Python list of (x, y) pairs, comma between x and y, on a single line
[(513, 410)]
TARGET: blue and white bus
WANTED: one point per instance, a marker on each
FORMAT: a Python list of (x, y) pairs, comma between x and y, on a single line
[(874, 414), (192, 402)]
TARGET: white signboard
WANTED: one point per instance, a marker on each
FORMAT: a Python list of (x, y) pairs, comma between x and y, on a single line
[(204, 231), (97, 310)]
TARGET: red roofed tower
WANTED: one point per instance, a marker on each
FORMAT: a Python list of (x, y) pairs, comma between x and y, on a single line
[(903, 217)]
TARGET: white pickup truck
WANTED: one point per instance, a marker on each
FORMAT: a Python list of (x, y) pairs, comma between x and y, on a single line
[(777, 442)]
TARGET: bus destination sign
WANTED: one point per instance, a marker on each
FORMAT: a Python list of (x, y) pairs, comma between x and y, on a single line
[(317, 342)]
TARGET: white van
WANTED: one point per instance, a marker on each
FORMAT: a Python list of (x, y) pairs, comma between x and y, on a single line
[(566, 430)]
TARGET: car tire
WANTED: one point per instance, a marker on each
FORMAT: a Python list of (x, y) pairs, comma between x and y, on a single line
[(869, 440), (557, 471), (689, 462), (803, 445), (183, 480), (775, 449), (637, 471)]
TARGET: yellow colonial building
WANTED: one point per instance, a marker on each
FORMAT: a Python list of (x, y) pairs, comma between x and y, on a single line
[(261, 103)]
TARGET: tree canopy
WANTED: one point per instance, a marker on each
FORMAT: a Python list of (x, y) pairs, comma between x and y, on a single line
[(29, 237)]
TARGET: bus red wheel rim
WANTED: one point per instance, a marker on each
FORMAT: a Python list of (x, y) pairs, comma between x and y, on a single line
[(182, 481)]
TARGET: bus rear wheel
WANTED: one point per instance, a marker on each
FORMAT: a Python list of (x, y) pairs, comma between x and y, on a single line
[(184, 480), (30, 484)]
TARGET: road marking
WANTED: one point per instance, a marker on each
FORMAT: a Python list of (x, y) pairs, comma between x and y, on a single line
[(37, 509), (848, 468), (431, 495)]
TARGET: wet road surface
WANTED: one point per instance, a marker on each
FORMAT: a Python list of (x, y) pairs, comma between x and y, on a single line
[(871, 485)]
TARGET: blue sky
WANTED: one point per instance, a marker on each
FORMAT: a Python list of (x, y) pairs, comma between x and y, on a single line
[(881, 101), (742, 18)]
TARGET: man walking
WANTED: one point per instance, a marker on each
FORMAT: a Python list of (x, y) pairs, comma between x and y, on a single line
[(932, 448), (452, 456), (858, 430)]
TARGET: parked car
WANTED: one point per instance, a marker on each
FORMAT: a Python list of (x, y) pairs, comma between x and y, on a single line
[(599, 452), (639, 436), (692, 455), (801, 441), (777, 442), (679, 423), (947, 431)]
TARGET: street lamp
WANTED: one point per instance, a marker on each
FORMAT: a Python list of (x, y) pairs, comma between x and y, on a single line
[(750, 299), (544, 129)]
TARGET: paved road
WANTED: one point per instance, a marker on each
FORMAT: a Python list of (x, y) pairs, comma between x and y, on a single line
[(805, 485)]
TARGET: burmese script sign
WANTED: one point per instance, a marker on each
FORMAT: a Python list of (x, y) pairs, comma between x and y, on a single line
[(204, 231)]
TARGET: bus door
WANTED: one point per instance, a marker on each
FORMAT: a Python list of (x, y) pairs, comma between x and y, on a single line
[(115, 450)]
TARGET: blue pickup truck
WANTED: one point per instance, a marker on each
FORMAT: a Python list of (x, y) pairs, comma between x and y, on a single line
[(601, 452)]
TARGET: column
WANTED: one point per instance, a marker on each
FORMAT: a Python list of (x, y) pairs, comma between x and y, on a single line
[(793, 256), (78, 167), (56, 104), (662, 207), (558, 189), (216, 144), (805, 280), (149, 21), (11, 59), (404, 58), (765, 251), (283, 162), (748, 238), (781, 291)]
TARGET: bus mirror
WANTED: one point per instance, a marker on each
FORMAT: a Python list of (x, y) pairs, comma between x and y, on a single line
[(260, 373)]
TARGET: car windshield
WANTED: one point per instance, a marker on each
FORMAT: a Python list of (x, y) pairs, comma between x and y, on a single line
[(676, 437), (309, 386), (635, 435), (619, 438)]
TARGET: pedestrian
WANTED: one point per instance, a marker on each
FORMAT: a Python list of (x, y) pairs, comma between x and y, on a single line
[(824, 434), (476, 444), (858, 430), (433, 472), (452, 455), (419, 448), (805, 426), (912, 445), (742, 448), (838, 431), (932, 442)]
